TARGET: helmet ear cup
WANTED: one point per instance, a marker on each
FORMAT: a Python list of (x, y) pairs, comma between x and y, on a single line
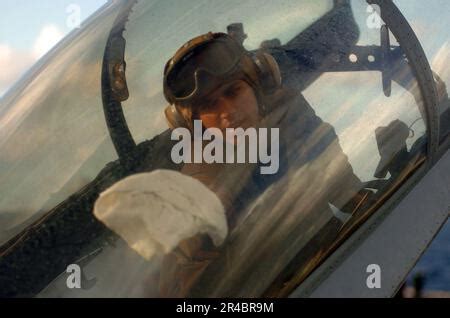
[(174, 118), (268, 71)]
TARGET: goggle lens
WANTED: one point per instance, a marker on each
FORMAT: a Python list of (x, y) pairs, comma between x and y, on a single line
[(216, 59)]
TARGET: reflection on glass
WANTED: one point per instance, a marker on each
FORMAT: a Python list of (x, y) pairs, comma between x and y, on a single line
[(429, 22), (344, 146), (53, 138)]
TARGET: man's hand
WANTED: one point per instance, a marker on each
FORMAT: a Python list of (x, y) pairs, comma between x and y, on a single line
[(154, 212)]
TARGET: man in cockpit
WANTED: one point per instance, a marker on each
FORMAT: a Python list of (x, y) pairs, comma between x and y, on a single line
[(212, 78)]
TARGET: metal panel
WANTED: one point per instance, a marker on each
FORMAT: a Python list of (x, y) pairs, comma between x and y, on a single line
[(395, 244)]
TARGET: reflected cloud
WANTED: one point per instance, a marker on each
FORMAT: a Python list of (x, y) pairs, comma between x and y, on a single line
[(49, 36), (13, 64), (358, 107), (440, 62), (53, 135)]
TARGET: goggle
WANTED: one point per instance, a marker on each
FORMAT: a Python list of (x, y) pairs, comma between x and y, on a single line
[(201, 66)]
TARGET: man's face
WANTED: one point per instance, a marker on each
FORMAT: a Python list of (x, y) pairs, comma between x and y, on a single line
[(232, 105)]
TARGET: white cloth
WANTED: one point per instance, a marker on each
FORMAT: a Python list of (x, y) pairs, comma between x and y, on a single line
[(154, 212)]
